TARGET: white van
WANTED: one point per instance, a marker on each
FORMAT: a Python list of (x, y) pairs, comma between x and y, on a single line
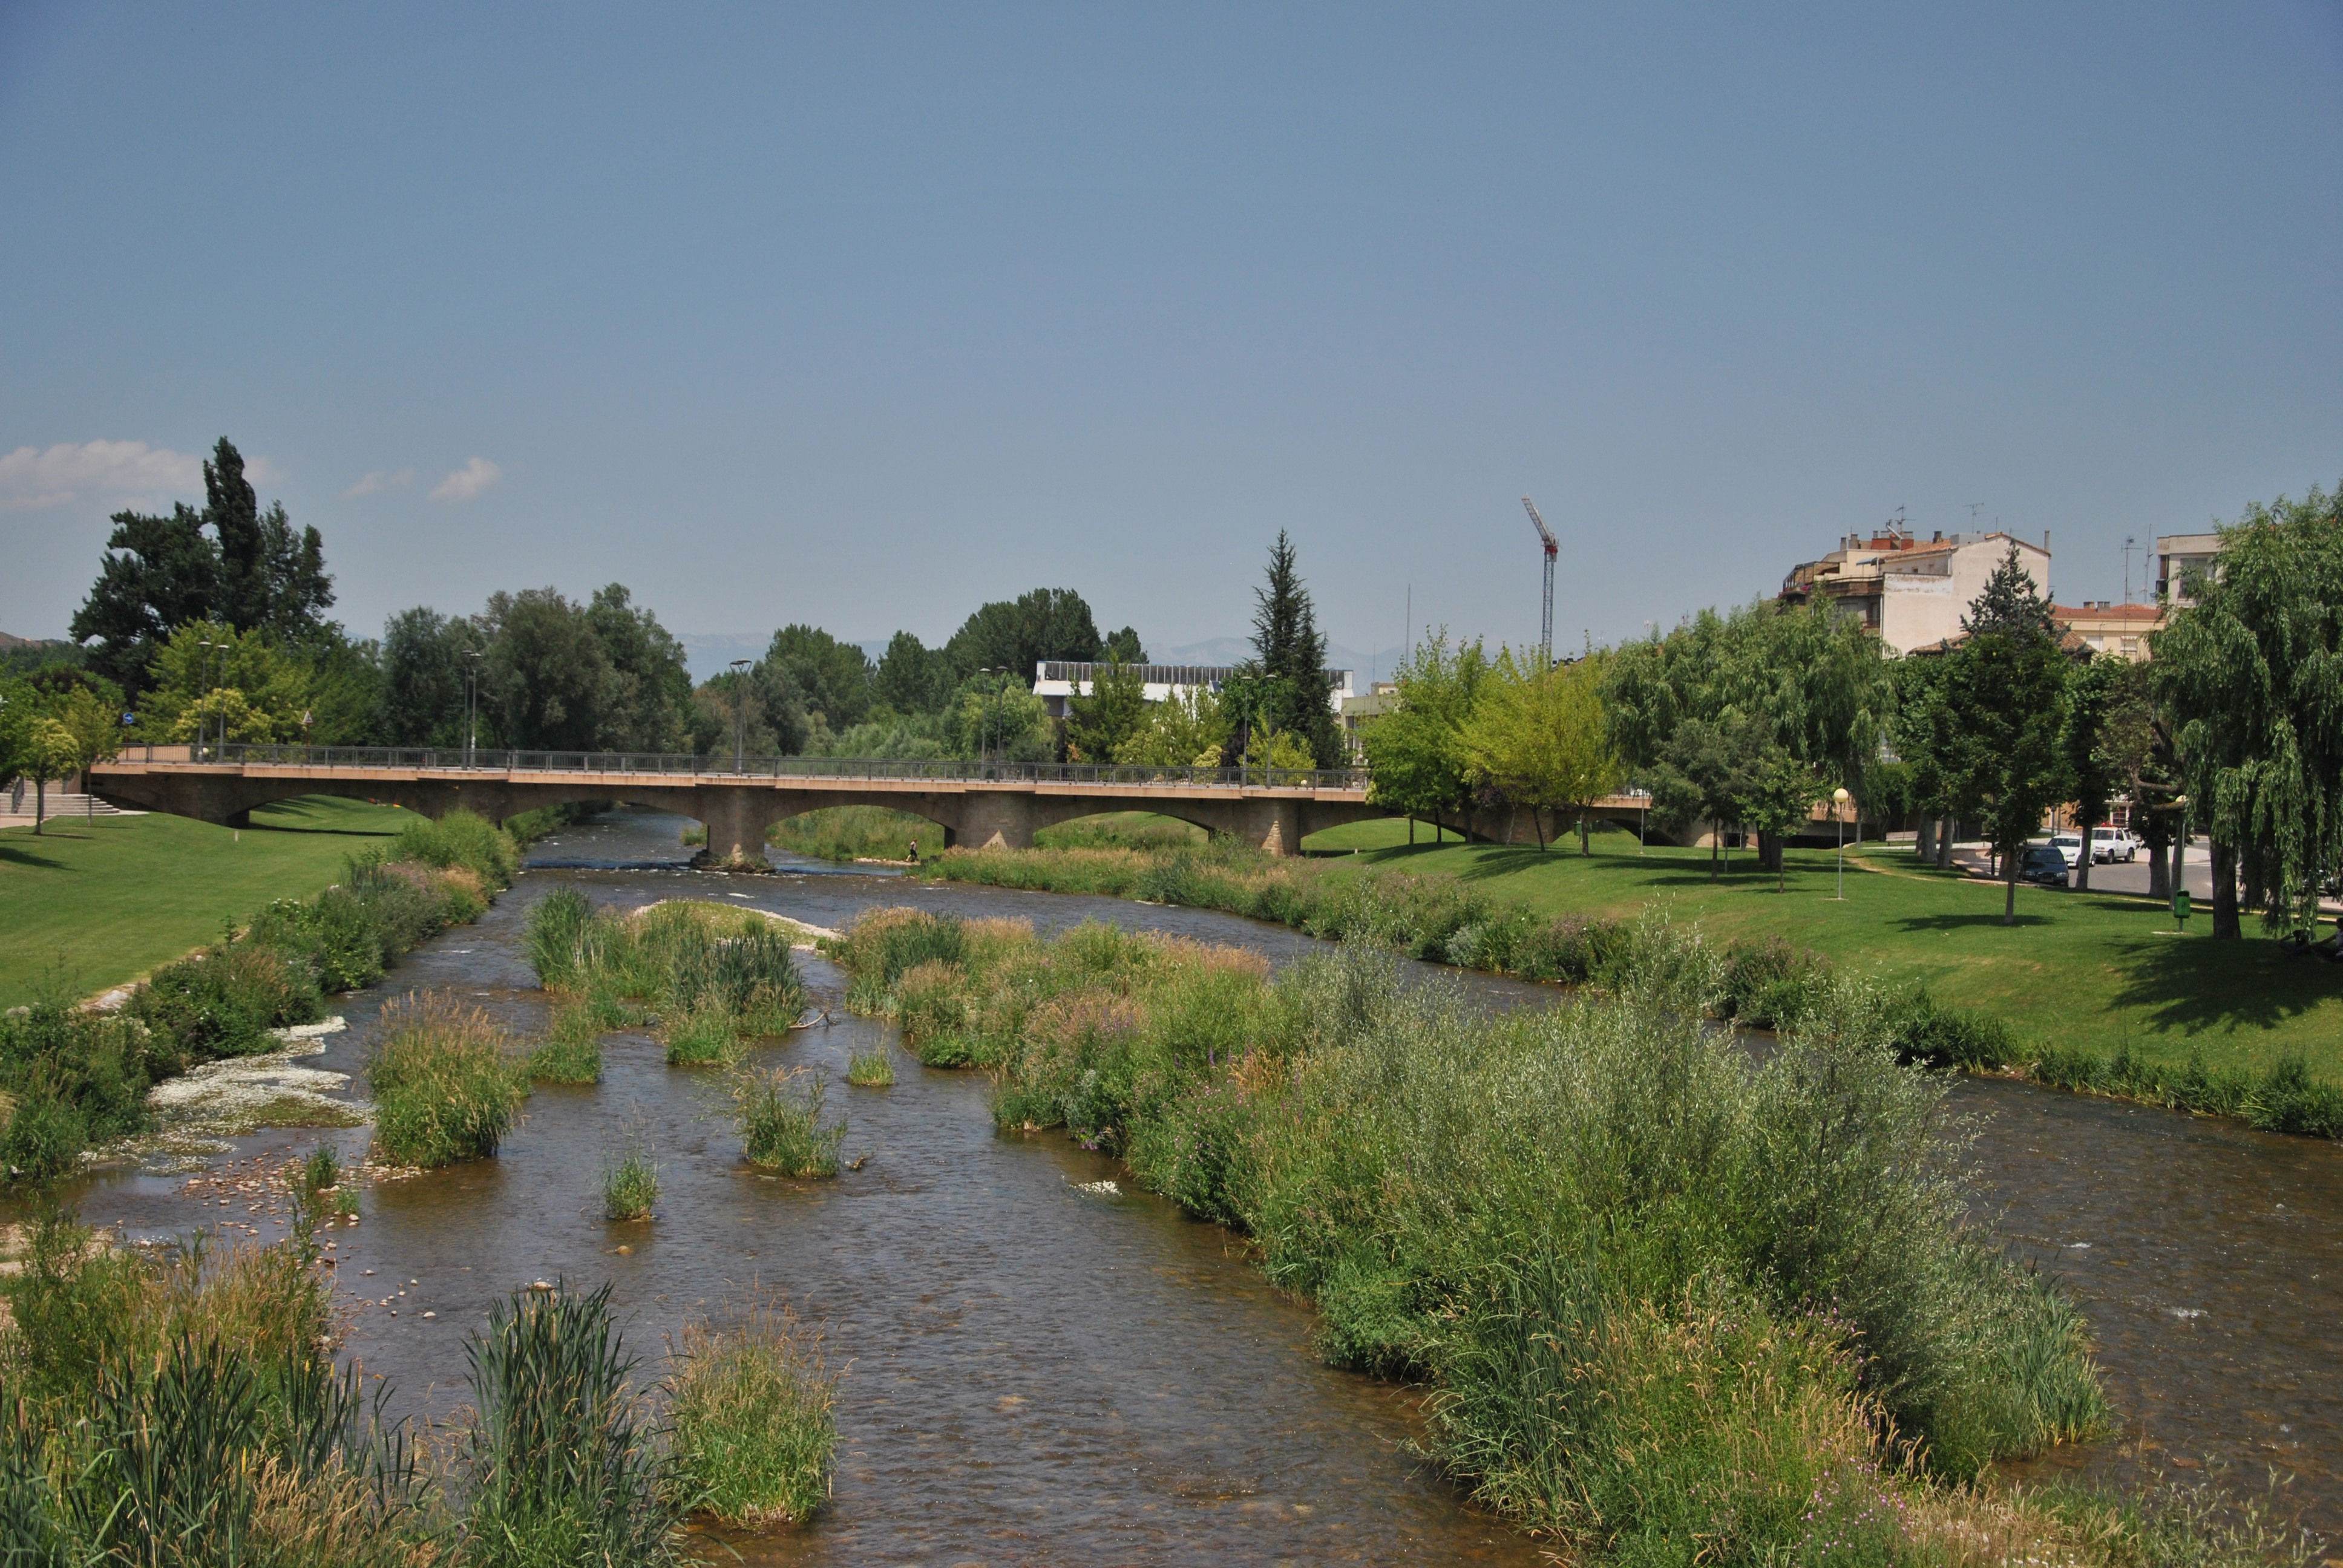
[(2109, 845)]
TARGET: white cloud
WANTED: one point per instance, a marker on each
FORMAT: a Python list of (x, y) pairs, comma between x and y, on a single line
[(379, 480), (467, 481), (34, 476)]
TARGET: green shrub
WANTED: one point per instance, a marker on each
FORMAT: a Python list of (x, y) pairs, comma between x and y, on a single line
[(1770, 984), (778, 1113), (1928, 1031), (629, 1182), (881, 944), (73, 1078), (446, 1086), (223, 1001), (752, 1417), (459, 840), (561, 1466), (571, 1051), (704, 1037)]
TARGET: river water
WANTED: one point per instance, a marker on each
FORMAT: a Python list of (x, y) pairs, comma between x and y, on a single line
[(1039, 1373)]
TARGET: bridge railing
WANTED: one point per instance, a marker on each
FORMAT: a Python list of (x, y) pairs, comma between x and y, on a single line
[(685, 765)]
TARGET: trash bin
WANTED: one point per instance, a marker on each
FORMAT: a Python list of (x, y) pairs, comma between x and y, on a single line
[(2180, 906)]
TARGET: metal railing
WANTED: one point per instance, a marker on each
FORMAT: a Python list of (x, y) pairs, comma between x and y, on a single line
[(683, 765)]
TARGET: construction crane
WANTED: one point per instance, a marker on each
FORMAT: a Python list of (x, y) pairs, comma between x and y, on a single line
[(1545, 619)]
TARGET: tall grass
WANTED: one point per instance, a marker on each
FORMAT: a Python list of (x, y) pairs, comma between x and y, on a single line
[(751, 1414), (779, 1115), (2281, 1098), (872, 1068), (1664, 1290), (856, 833), (571, 1051), (1122, 831), (448, 1083), (713, 976), (630, 1182), (184, 1411), (560, 1465)]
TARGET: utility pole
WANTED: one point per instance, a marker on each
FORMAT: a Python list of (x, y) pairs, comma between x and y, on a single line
[(2130, 544), (1546, 617), (741, 714)]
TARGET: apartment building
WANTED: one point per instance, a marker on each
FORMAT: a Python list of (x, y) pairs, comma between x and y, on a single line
[(1912, 592)]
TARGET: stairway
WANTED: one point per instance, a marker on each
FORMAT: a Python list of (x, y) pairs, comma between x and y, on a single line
[(61, 804)]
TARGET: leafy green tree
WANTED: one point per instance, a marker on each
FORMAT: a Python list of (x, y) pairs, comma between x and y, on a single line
[(47, 751), (1703, 772), (997, 717), (733, 699), (1125, 648), (2001, 728), (2253, 676), (244, 677), (1188, 729), (1539, 737), (1016, 635), (1290, 661), (831, 678), (911, 678), (1779, 796), (543, 673), (423, 658), (647, 703), (1098, 724), (2138, 743), (251, 570), (1415, 752), (1920, 726), (2090, 694)]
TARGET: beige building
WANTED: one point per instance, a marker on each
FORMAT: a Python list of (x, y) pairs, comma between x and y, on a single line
[(2107, 628), (1912, 592), (2176, 555)]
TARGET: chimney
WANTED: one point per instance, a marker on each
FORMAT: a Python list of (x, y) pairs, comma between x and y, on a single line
[(1940, 539)]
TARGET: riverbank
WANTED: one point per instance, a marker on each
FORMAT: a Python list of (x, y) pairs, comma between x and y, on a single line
[(2093, 988), (96, 903)]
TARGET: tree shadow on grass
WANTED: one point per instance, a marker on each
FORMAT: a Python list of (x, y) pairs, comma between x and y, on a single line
[(19, 853), (2202, 986), (1980, 919)]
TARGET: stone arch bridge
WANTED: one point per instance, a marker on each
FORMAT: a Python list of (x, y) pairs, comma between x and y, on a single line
[(977, 804)]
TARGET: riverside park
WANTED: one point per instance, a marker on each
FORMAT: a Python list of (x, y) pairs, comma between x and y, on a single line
[(1091, 787)]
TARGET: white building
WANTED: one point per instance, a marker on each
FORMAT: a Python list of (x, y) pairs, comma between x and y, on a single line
[(1055, 680), (2177, 555), (1912, 594)]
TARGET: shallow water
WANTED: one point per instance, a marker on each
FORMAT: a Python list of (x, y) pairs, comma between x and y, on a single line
[(1038, 1374)]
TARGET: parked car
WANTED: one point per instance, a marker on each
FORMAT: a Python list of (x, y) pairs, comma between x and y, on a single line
[(2043, 864), (2109, 845), (2069, 845)]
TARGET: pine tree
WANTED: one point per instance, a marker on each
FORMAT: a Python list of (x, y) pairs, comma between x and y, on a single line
[(1289, 656), (2010, 604)]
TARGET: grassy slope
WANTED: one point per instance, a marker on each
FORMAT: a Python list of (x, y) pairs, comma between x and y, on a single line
[(116, 898), (2085, 968)]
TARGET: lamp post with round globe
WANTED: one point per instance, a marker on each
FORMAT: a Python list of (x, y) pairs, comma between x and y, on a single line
[(1839, 797)]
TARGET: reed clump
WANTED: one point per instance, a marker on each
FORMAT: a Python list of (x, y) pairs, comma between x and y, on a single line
[(1670, 1298), (713, 977), (571, 1051), (448, 1083), (778, 1113), (872, 1068), (630, 1185), (751, 1412), (560, 1465), (184, 1410)]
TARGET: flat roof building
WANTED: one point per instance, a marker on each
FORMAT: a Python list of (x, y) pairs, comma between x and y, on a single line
[(2176, 555), (2118, 630), (1056, 680)]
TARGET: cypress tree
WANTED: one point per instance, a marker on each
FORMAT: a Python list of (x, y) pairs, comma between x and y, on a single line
[(1289, 658)]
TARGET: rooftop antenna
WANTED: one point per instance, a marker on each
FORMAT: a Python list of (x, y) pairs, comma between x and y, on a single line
[(2130, 544), (1545, 618), (1974, 507)]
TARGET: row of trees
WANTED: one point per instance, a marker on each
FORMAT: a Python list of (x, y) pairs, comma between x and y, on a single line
[(212, 623), (1754, 717)]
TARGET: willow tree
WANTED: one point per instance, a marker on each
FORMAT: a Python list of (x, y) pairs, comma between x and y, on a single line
[(2252, 674), (1539, 737)]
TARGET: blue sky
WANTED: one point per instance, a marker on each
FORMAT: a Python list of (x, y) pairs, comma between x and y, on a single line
[(862, 315)]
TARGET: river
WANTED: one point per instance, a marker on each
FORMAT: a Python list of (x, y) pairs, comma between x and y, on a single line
[(1035, 1373)]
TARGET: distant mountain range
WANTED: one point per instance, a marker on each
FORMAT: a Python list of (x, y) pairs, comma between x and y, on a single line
[(710, 652)]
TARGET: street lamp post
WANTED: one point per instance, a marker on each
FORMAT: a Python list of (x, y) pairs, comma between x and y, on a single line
[(204, 678), (2180, 864), (471, 703), (741, 714), (1839, 797)]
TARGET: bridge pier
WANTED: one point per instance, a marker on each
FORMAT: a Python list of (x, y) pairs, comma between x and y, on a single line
[(995, 819), (737, 820)]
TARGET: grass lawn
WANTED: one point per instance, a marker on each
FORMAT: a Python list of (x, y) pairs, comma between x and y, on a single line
[(2078, 969), (108, 901)]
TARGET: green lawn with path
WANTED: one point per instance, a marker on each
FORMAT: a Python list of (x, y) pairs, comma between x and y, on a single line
[(2091, 970), (97, 903)]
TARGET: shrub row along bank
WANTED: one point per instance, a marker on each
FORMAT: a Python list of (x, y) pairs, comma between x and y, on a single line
[(1670, 1298), (72, 1078), (188, 1414), (1766, 983)]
